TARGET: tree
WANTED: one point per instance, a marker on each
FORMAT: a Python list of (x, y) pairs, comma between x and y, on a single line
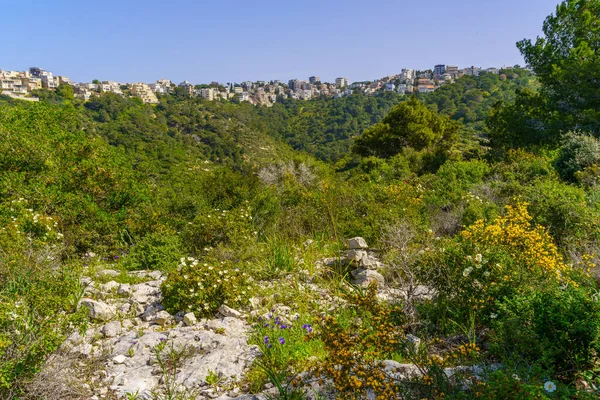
[(567, 62), (409, 124), (65, 91)]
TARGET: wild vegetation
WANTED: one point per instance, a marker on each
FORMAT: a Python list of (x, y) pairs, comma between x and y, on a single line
[(485, 192)]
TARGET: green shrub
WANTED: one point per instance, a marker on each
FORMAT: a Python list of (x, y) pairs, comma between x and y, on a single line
[(157, 250), (578, 151), (556, 329)]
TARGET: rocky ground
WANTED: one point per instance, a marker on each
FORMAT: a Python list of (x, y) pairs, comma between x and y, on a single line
[(134, 346)]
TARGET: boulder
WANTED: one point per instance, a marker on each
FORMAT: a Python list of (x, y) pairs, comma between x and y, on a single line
[(108, 272), (98, 310)]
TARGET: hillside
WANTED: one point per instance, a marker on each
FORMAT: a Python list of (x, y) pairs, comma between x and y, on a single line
[(439, 246)]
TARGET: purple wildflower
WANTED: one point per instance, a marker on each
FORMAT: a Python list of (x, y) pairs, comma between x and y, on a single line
[(269, 346), (281, 340), (266, 340), (266, 325)]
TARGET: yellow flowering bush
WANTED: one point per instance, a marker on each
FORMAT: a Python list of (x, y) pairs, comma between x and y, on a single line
[(354, 351), (489, 262), (531, 247)]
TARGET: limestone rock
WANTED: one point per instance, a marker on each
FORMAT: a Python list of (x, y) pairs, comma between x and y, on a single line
[(98, 310), (357, 243), (109, 272), (189, 319), (124, 289), (364, 277), (120, 359), (109, 286), (111, 329), (162, 318), (229, 312)]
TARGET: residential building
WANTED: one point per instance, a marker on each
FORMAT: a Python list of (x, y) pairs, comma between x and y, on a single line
[(187, 87), (341, 82), (314, 79), (407, 75), (439, 70), (208, 93), (144, 92)]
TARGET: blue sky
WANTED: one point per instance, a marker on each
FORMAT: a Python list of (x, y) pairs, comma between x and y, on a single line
[(238, 40)]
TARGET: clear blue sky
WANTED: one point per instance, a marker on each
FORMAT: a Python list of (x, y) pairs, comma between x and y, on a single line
[(237, 40)]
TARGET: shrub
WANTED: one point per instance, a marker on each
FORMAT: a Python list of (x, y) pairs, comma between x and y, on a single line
[(355, 350), (563, 209), (501, 259), (578, 151), (203, 287), (232, 229), (38, 295), (157, 250), (557, 329)]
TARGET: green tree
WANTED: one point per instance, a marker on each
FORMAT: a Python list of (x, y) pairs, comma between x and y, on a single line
[(409, 124), (65, 91), (567, 63)]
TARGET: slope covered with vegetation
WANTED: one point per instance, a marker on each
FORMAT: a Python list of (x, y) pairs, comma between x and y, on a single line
[(503, 234)]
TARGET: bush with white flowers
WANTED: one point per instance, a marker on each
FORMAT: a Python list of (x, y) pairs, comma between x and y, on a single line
[(203, 287)]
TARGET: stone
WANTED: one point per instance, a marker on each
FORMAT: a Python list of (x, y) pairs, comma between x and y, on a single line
[(308, 243), (86, 281), (364, 277), (229, 312), (138, 309), (120, 380), (155, 274), (109, 286), (120, 359), (413, 342), (357, 243), (111, 329), (98, 310), (189, 319), (124, 289), (108, 272), (162, 318), (151, 311)]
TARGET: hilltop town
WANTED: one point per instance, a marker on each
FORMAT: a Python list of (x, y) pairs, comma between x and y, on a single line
[(25, 84)]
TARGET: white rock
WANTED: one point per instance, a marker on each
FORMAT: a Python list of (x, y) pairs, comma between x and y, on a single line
[(111, 329), (108, 272), (124, 289), (162, 318), (98, 310), (189, 319), (109, 286), (364, 277), (357, 243), (155, 274), (229, 312), (120, 359)]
